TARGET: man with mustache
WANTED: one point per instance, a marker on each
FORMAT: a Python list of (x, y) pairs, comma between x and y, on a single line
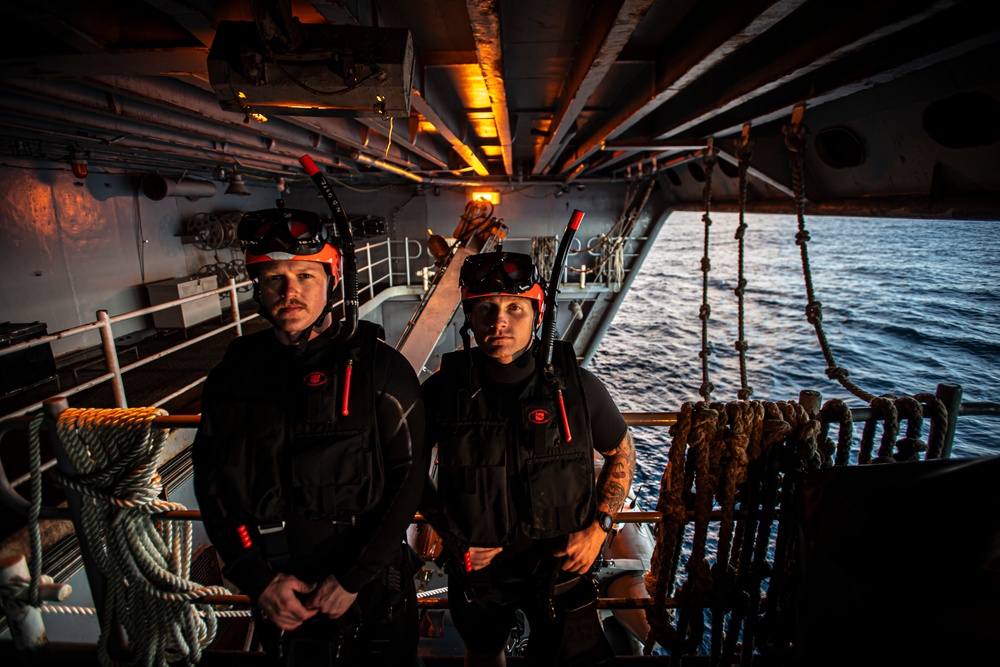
[(309, 461), (515, 501)]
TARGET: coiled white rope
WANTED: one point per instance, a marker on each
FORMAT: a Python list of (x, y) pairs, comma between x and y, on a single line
[(90, 611), (146, 563)]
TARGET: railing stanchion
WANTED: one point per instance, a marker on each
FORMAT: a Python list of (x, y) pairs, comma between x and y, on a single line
[(234, 306), (406, 251), (371, 278), (388, 254), (111, 358), (951, 395)]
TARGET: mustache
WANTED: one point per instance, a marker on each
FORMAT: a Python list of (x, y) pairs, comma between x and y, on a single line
[(285, 303)]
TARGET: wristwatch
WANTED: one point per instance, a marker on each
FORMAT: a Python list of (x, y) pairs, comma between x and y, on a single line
[(605, 521)]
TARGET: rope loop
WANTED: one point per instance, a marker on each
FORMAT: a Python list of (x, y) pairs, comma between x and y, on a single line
[(910, 446), (802, 237), (705, 312), (935, 408), (838, 411)]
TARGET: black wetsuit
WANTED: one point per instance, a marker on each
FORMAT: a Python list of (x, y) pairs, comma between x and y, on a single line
[(254, 406), (483, 603)]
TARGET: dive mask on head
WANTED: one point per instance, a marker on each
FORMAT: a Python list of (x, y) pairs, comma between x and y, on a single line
[(502, 274), (286, 234)]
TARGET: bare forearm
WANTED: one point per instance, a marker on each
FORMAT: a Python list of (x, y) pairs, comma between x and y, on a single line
[(616, 475)]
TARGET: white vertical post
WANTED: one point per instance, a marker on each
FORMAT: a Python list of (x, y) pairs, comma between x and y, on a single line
[(111, 358), (406, 251), (234, 306), (371, 279), (388, 255)]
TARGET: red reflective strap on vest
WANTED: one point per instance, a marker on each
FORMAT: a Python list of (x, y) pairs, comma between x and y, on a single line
[(344, 408)]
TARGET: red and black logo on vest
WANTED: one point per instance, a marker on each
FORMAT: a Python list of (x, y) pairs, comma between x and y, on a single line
[(539, 416), (315, 379)]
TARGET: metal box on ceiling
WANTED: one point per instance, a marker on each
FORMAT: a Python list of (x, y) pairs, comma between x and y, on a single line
[(334, 70)]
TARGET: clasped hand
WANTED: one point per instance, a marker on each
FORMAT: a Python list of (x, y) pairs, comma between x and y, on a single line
[(288, 601), (582, 548)]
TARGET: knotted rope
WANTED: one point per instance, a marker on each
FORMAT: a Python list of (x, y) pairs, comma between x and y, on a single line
[(743, 152), (705, 313), (147, 564), (715, 446)]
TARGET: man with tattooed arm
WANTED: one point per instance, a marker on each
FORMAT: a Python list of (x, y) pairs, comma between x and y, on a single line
[(515, 501)]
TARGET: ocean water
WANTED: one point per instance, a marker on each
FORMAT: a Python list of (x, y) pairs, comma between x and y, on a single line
[(907, 304)]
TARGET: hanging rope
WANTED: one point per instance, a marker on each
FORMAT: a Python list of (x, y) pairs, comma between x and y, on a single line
[(35, 509), (147, 564), (705, 391), (543, 254), (743, 152), (795, 140), (611, 266)]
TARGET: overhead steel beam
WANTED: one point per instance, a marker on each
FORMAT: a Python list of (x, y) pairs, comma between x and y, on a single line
[(610, 30), (421, 106), (485, 19), (834, 83), (804, 61), (195, 22), (697, 63)]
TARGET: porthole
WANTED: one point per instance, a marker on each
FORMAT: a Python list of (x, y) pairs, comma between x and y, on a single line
[(840, 147)]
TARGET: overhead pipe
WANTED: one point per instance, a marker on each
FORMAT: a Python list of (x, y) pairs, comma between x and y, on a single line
[(139, 102), (157, 187)]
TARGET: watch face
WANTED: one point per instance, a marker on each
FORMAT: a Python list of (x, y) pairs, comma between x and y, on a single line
[(605, 521)]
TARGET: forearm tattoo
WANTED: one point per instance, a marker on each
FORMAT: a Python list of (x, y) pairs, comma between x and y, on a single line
[(616, 475)]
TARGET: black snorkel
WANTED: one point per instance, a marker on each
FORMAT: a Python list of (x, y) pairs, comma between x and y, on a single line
[(549, 320), (349, 262)]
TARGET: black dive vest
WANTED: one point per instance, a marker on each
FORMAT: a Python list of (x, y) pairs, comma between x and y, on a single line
[(288, 446), (499, 472)]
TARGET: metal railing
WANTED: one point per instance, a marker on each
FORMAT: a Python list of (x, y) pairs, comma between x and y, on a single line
[(378, 270), (634, 419)]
